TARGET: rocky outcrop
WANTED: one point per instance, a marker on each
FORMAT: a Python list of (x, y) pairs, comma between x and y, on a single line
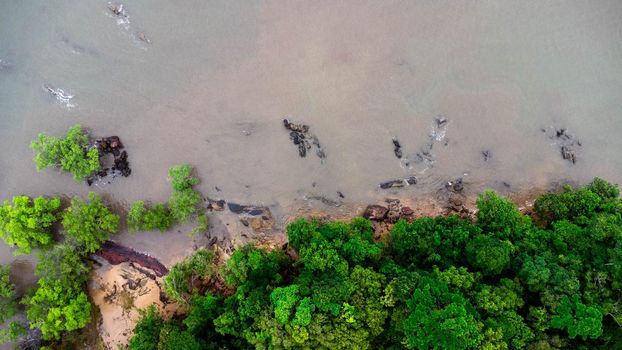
[(115, 254)]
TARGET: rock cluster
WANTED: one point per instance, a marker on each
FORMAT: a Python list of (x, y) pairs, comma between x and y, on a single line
[(568, 144), (303, 140), (120, 167), (390, 213)]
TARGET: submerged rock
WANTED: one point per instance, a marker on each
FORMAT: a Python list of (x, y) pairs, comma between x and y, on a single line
[(117, 9), (396, 183), (486, 154), (300, 136), (568, 144), (397, 148)]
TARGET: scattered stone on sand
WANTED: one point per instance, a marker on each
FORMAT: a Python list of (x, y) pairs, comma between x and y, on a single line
[(390, 213), (456, 186), (258, 218), (568, 144), (325, 200), (303, 140), (487, 155), (216, 204), (452, 194), (397, 148), (340, 194), (396, 183), (375, 212), (119, 291)]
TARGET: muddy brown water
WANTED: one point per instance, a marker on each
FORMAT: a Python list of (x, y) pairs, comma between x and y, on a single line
[(217, 78)]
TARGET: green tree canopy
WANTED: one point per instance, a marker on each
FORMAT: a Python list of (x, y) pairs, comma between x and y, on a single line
[(89, 223), (27, 223), (71, 153)]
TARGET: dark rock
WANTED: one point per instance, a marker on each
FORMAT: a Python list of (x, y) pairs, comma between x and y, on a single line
[(340, 194), (411, 180), (456, 186), (440, 121), (236, 208), (300, 128), (397, 148), (375, 212), (300, 136), (486, 154), (216, 204), (392, 183), (407, 212)]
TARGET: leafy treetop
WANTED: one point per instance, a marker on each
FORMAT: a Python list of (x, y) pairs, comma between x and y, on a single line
[(71, 153)]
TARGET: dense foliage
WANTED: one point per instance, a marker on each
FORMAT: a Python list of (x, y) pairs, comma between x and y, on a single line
[(142, 218), (183, 204), (71, 153), (187, 277), (8, 308), (26, 223), (59, 304), (501, 282), (89, 224)]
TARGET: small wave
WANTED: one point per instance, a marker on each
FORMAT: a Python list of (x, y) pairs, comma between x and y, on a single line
[(60, 95)]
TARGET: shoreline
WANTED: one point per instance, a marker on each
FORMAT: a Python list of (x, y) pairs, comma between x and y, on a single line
[(119, 287)]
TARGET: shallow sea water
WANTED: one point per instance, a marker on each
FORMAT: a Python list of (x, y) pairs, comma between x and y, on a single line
[(217, 78)]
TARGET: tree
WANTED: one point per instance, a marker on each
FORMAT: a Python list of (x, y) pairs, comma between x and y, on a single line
[(147, 330), (190, 275), (59, 303), (499, 217), (440, 319), (577, 318), (71, 153), (54, 308), (184, 199), (489, 255), (27, 224), (90, 223)]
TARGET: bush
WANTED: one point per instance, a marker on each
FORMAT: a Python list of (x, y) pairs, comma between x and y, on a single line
[(90, 223), (27, 224), (71, 153), (183, 204), (141, 218), (190, 276)]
